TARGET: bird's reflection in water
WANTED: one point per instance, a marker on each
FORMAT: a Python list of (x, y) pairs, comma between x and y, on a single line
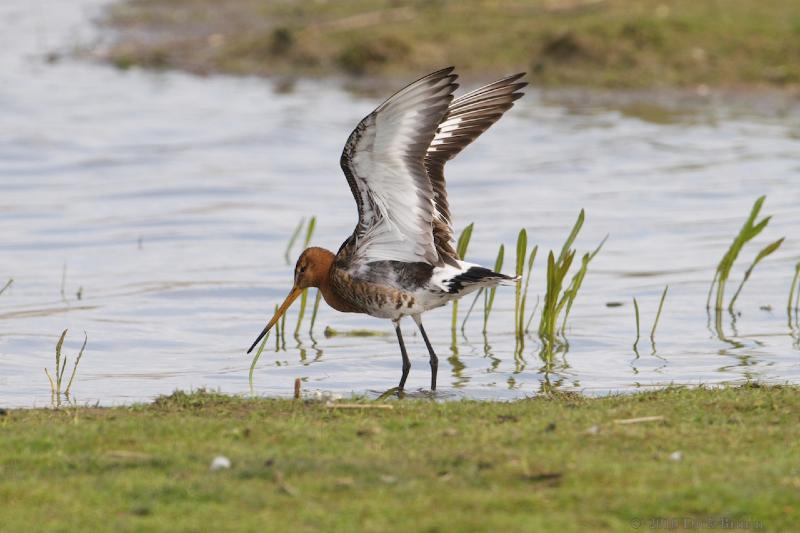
[(489, 354), (457, 367)]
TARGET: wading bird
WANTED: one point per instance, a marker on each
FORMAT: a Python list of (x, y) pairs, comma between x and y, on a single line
[(400, 259)]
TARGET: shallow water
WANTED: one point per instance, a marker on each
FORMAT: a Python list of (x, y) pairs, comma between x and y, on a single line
[(167, 200)]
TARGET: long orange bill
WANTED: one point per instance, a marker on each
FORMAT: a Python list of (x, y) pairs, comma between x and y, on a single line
[(282, 309)]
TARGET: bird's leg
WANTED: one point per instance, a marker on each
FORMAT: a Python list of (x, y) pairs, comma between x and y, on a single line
[(406, 362), (434, 359)]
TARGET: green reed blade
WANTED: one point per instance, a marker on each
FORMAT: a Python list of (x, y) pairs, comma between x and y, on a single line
[(797, 297), (471, 307), (77, 362), (793, 287), (561, 273), (533, 313), (711, 288), (766, 251), (312, 224), (277, 329), (572, 236), (488, 301), (303, 297), (522, 251), (59, 366), (256, 357), (577, 280), (461, 250), (531, 259), (658, 314), (636, 309), (7, 285), (52, 383), (463, 241), (295, 234), (301, 312), (317, 299)]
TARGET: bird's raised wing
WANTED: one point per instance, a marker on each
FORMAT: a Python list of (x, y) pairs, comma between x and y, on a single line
[(467, 117), (383, 161)]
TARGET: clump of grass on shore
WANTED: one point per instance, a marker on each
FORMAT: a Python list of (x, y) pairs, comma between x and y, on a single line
[(557, 462), (750, 230), (669, 43)]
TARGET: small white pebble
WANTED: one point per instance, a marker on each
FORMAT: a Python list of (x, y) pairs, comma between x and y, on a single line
[(676, 456), (220, 462), (594, 430)]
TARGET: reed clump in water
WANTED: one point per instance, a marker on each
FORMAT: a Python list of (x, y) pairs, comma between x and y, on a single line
[(750, 230), (61, 365), (556, 300)]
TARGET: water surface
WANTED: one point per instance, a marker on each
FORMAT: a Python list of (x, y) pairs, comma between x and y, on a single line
[(167, 200)]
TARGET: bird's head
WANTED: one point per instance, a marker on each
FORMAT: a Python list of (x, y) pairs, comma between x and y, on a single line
[(311, 270)]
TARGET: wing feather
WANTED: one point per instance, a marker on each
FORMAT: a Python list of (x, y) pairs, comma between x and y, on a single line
[(384, 162), (467, 117)]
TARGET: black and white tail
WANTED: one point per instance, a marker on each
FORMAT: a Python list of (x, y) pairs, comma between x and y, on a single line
[(468, 277)]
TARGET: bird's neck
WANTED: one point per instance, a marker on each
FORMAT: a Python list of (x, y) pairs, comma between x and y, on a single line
[(328, 289)]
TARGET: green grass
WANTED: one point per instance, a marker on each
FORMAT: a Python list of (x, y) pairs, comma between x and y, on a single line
[(611, 43), (554, 463)]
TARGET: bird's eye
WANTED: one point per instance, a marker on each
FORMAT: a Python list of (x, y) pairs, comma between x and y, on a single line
[(302, 269)]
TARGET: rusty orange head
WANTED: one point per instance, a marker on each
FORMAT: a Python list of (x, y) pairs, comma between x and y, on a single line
[(311, 270)]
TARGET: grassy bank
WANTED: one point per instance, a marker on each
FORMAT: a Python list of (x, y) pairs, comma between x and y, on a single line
[(560, 463), (605, 43)]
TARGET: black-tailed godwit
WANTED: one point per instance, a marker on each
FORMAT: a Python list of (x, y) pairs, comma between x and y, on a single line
[(400, 259)]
